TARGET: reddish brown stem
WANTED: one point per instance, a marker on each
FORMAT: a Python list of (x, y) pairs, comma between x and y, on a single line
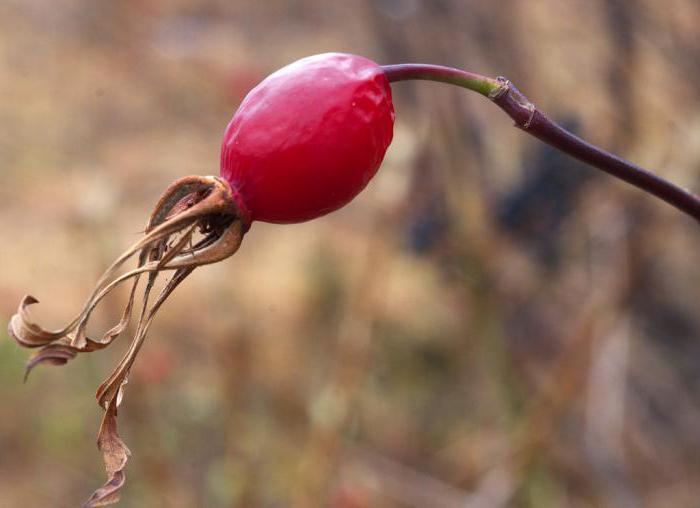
[(528, 118)]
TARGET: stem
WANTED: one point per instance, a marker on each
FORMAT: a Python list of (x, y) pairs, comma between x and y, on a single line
[(528, 118)]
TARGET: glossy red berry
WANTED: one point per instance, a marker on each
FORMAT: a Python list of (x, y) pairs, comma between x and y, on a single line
[(308, 138)]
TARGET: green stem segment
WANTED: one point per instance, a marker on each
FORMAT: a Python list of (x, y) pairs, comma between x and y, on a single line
[(528, 118)]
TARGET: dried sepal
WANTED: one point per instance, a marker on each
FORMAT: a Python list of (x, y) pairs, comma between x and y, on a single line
[(29, 334), (53, 354), (193, 204), (109, 396), (115, 454)]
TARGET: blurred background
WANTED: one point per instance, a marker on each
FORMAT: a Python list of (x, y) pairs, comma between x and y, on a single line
[(489, 324)]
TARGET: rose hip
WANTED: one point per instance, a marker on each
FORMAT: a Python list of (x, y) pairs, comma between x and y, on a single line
[(308, 138)]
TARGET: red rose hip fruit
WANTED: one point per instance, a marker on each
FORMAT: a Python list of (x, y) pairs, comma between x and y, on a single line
[(308, 138)]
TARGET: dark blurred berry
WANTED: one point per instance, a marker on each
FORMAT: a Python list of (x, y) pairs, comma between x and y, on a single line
[(535, 210)]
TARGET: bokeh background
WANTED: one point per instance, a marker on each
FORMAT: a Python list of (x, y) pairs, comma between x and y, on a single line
[(488, 324)]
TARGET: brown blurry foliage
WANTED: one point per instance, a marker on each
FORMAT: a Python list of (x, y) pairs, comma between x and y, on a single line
[(489, 324)]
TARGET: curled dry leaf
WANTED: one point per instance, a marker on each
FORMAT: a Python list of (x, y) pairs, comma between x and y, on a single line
[(28, 333), (115, 454), (54, 354), (202, 205)]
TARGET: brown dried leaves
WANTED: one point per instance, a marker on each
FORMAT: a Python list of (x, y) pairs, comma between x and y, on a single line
[(190, 204)]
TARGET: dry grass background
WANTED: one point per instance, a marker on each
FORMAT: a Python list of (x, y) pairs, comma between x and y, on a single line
[(489, 324)]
